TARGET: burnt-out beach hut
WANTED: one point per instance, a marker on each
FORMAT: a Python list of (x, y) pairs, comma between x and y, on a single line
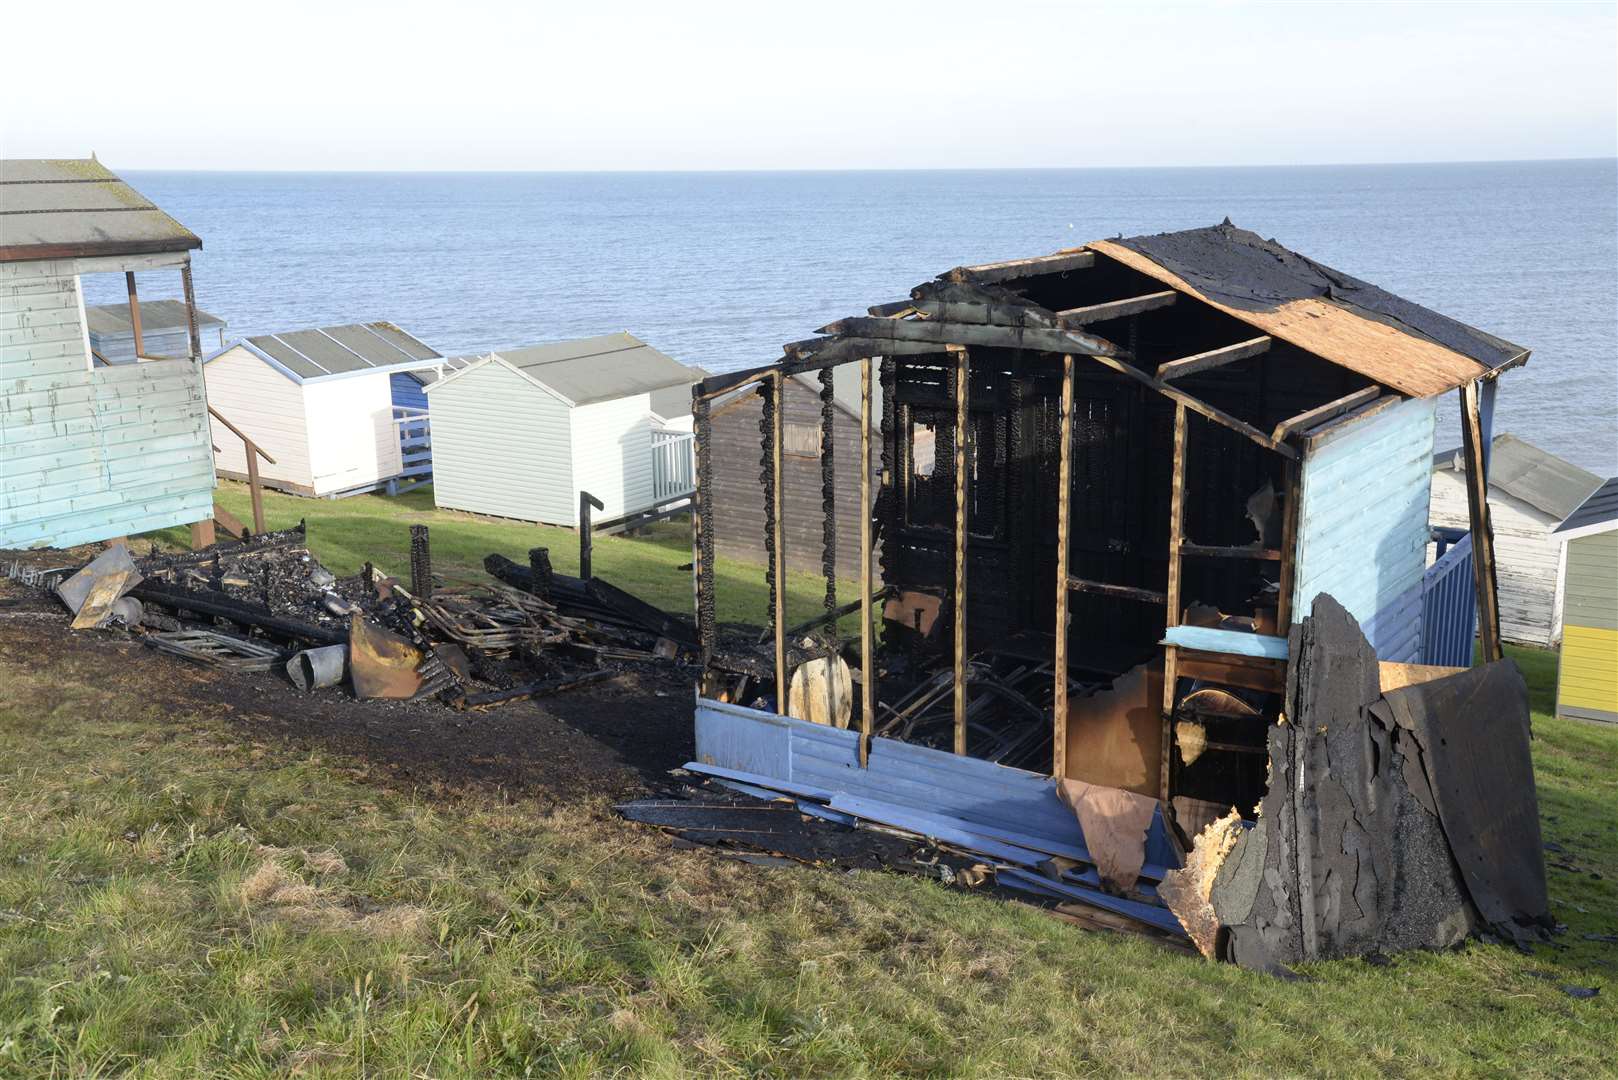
[(1150, 518), (810, 412)]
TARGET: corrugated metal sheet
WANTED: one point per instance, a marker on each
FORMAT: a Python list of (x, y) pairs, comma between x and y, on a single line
[(68, 208), (1449, 611), (1005, 804), (1362, 522)]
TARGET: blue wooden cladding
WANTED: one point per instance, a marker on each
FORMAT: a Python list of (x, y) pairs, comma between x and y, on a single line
[(1362, 524), (1237, 642)]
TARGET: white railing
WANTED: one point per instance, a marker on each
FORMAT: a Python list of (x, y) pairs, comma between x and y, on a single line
[(415, 441), (674, 464)]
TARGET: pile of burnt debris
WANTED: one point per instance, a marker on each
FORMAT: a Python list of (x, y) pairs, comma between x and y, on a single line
[(1398, 811), (266, 604)]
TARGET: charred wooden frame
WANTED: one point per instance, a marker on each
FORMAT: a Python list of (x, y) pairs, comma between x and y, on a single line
[(943, 325)]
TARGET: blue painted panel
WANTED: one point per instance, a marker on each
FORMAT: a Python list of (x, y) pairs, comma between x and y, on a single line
[(407, 392), (1362, 524), (1395, 631), (1238, 642), (1005, 804)]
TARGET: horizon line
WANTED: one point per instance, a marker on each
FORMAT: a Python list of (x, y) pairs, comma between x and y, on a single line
[(868, 168)]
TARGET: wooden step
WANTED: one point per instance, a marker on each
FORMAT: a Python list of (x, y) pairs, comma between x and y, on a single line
[(228, 523)]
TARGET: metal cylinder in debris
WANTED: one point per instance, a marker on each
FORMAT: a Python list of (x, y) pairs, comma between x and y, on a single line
[(313, 669), (421, 562)]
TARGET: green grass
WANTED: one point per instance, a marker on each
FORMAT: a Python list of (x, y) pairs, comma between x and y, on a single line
[(345, 533), (179, 899)]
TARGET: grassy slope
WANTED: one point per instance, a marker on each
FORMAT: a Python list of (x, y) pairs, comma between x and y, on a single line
[(176, 900)]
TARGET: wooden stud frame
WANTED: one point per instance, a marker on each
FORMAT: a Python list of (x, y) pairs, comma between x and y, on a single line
[(1170, 652), (778, 562), (867, 646), (1064, 500), (962, 396)]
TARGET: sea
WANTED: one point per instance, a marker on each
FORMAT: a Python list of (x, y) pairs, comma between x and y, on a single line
[(720, 269)]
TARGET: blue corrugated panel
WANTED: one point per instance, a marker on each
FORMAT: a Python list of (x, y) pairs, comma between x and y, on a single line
[(1362, 525), (1449, 608), (1005, 804)]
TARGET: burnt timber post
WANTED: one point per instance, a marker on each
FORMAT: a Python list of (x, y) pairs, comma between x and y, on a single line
[(962, 374), (776, 388), (1171, 655), (587, 531), (867, 655), (1064, 500)]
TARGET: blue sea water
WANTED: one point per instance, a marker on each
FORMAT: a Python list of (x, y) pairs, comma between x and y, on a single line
[(720, 269)]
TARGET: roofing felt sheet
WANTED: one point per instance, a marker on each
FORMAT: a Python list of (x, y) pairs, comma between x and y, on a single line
[(1247, 272), (600, 368), (324, 351), (1599, 508), (69, 208), (402, 341)]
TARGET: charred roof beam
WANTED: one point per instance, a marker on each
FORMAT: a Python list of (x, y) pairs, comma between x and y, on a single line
[(1013, 269), (1213, 358), (1116, 309)]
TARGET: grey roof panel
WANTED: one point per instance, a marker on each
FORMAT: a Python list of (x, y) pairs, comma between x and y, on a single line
[(325, 351), (372, 350), (413, 349), (600, 368), (1601, 507), (154, 315), (286, 356), (73, 208), (1524, 471), (343, 350)]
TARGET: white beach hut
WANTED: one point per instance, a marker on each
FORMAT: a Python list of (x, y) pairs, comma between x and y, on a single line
[(1530, 492), (319, 402), (520, 433)]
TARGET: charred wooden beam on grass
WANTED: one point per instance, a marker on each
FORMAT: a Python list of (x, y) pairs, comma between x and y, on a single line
[(1064, 502), (543, 688), (1213, 358), (1116, 309), (223, 606)]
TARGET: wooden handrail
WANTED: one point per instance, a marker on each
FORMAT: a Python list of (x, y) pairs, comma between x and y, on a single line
[(236, 431), (254, 452)]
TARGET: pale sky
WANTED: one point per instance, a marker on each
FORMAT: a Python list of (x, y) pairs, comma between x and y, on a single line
[(816, 84)]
